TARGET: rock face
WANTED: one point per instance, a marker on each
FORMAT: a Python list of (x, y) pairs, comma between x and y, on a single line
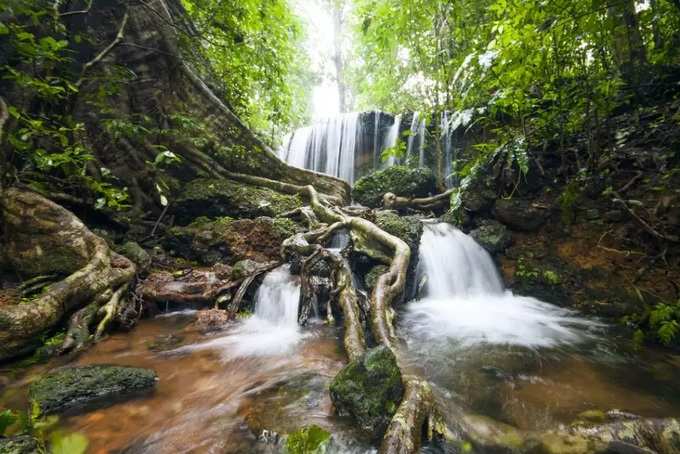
[(520, 215), (492, 236), (88, 386), (226, 240), (369, 390), (217, 198), (400, 180)]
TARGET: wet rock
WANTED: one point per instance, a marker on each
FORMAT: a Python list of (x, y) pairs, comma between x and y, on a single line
[(540, 281), (20, 444), (308, 440), (592, 214), (399, 180), (244, 268), (520, 214), (187, 287), (136, 253), (227, 240), (88, 386), (614, 216), (369, 390), (211, 319), (492, 236), (217, 198)]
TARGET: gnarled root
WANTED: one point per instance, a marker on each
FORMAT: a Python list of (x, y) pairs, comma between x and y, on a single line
[(42, 237), (393, 202)]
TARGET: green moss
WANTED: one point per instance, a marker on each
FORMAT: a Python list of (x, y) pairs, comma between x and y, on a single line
[(308, 440), (86, 386), (217, 198), (407, 228), (369, 390), (372, 276), (284, 227), (551, 277), (400, 180)]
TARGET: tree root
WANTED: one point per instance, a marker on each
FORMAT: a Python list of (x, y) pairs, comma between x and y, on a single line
[(42, 237), (393, 202)]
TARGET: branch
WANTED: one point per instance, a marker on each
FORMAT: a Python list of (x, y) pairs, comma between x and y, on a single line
[(393, 202), (104, 53), (643, 223)]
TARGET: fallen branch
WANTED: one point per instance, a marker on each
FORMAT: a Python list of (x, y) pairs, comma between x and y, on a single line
[(671, 238), (100, 56), (393, 202)]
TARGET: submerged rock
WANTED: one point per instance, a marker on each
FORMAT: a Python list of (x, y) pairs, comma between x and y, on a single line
[(399, 180), (369, 390), (228, 240), (88, 386), (492, 236), (217, 198)]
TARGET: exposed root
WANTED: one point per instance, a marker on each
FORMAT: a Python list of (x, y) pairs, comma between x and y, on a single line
[(393, 202), (42, 237)]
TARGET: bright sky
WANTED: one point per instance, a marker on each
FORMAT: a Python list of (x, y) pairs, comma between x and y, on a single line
[(319, 45)]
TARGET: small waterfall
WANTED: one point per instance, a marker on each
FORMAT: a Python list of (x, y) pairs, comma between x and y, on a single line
[(417, 139), (328, 146), (391, 139), (447, 150), (465, 300), (273, 328)]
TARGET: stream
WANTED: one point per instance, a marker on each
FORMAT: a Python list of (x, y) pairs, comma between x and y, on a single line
[(514, 358)]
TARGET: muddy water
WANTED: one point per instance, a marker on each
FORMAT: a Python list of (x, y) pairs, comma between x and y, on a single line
[(207, 401)]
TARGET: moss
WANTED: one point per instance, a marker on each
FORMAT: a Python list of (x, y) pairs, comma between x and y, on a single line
[(400, 180), (372, 276), (407, 228), (87, 386), (369, 390), (538, 281), (20, 444), (217, 198), (308, 440)]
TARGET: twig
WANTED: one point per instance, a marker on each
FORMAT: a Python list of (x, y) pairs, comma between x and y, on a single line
[(608, 249), (637, 176), (158, 221), (643, 223), (82, 11), (103, 53)]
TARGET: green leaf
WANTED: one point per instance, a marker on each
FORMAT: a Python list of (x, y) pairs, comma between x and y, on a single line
[(7, 418), (74, 443)]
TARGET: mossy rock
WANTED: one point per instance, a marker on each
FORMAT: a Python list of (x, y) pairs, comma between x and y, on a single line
[(407, 228), (369, 390), (308, 440), (540, 281), (136, 254), (400, 180), (492, 236), (19, 444), (218, 198), (372, 276), (88, 386), (227, 240)]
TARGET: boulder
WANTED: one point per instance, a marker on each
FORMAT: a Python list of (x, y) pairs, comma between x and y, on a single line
[(400, 180), (520, 215), (216, 198), (191, 286), (88, 386), (227, 240), (407, 228), (492, 236), (369, 389)]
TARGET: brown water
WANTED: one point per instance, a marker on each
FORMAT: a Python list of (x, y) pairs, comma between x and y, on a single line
[(209, 402)]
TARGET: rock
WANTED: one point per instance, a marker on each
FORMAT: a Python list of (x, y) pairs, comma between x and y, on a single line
[(227, 240), (211, 319), (88, 386), (614, 216), (372, 276), (492, 236), (369, 390), (244, 268), (540, 281), (520, 215), (592, 214), (19, 444), (308, 440), (136, 253), (217, 198), (407, 228), (186, 287), (400, 180)]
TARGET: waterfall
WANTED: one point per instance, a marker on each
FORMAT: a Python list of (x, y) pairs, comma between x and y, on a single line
[(328, 146), (447, 150), (465, 300), (273, 328), (391, 139), (417, 138)]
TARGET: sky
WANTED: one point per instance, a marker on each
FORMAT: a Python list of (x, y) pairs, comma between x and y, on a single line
[(319, 45)]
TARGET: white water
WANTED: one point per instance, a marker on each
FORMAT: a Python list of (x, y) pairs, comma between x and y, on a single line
[(417, 139), (391, 139), (273, 329), (328, 146), (465, 300)]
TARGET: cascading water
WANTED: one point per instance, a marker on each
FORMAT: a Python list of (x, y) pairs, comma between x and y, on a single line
[(416, 139), (391, 139), (465, 300), (328, 146), (273, 329)]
